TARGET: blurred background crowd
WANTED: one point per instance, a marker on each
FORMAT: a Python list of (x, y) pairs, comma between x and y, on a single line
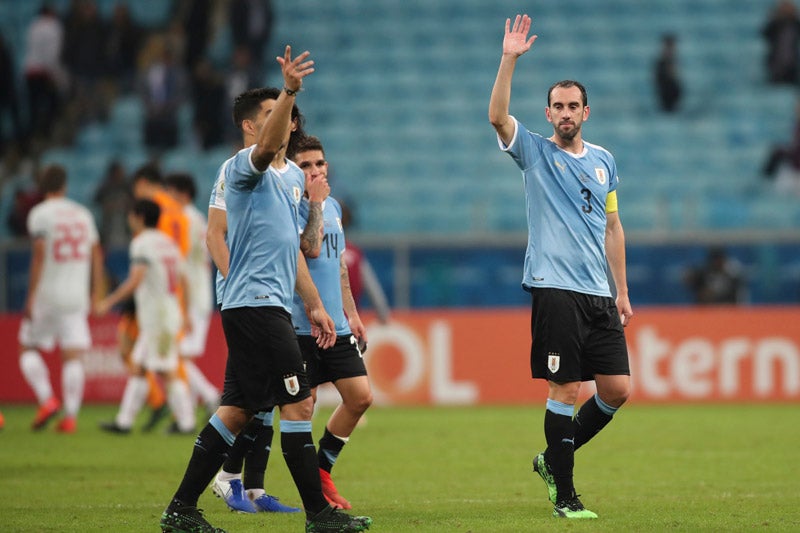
[(698, 101)]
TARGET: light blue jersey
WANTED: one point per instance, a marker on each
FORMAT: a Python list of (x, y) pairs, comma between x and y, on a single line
[(565, 195), (263, 232), (325, 269)]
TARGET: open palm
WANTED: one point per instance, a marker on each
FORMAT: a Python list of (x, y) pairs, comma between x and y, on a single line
[(516, 41)]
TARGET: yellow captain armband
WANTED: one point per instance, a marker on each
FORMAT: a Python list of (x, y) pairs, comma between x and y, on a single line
[(611, 202)]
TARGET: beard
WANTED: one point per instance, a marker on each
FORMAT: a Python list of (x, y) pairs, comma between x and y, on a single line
[(568, 134)]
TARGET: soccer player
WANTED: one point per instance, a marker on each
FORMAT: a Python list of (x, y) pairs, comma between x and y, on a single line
[(200, 298), (574, 230), (65, 256), (156, 273), (148, 183), (264, 367), (251, 449), (343, 363)]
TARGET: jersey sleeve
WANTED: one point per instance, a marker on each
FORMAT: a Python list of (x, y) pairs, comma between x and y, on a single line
[(525, 146), (240, 173), (37, 225), (136, 252), (217, 200)]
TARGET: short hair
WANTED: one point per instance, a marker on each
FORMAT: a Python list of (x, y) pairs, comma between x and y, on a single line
[(182, 182), (566, 84), (148, 172), (247, 104), (52, 179), (308, 143), (148, 210)]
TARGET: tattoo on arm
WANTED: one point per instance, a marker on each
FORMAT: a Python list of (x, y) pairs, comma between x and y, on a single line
[(311, 239)]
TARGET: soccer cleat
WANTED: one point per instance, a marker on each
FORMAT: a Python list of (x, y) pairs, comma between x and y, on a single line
[(156, 416), (46, 412), (68, 424), (113, 427), (186, 520), (233, 494), (330, 492), (541, 468), (572, 508), (270, 504), (332, 520)]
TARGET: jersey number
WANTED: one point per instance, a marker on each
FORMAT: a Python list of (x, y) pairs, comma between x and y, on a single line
[(587, 195), (331, 242), (170, 267), (69, 241)]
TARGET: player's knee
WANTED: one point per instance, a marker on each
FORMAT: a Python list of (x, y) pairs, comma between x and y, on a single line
[(360, 403)]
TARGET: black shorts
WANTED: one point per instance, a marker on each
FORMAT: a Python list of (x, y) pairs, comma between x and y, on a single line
[(342, 360), (575, 336), (264, 365)]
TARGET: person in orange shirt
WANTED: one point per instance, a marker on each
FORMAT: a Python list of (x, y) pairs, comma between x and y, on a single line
[(148, 183)]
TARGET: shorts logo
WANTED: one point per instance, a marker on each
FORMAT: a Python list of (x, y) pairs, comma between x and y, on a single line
[(553, 361), (292, 384)]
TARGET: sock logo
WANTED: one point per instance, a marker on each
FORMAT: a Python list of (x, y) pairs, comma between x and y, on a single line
[(292, 384), (553, 361)]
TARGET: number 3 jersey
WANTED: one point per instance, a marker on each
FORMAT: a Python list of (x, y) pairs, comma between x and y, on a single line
[(566, 197), (69, 234), (156, 297), (324, 269)]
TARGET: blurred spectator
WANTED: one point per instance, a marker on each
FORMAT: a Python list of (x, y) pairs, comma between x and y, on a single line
[(9, 103), (123, 44), (195, 16), (45, 77), (362, 276), (667, 78), (84, 55), (241, 76), (783, 164), (251, 26), (782, 33), (162, 87), (114, 197), (208, 101), (25, 198), (719, 281)]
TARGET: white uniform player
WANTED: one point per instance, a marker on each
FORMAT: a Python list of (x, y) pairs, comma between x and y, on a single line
[(199, 298), (65, 252), (156, 273), (158, 312)]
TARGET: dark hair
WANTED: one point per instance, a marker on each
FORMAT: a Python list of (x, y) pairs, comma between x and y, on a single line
[(52, 179), (182, 182), (247, 104), (308, 143), (566, 84), (148, 172), (148, 210)]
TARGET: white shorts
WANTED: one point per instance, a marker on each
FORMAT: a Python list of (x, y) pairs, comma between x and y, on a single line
[(193, 344), (156, 350), (45, 329)]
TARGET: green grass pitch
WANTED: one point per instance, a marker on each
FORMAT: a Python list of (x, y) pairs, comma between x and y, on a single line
[(467, 469)]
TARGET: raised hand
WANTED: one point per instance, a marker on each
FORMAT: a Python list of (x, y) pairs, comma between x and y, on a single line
[(516, 41), (294, 70)]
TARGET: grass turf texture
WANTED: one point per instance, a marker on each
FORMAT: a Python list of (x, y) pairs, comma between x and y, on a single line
[(655, 468)]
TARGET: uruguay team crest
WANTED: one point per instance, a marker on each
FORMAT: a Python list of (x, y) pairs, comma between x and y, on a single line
[(292, 384), (553, 361), (297, 194), (600, 173)]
